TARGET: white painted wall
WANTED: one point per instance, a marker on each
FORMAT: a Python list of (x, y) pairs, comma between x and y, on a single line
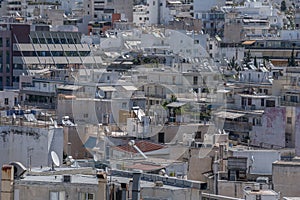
[(262, 163), (20, 143), (10, 96)]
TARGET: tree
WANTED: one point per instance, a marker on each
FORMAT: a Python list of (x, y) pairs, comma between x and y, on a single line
[(232, 63), (247, 58), (283, 6), (255, 62), (291, 60)]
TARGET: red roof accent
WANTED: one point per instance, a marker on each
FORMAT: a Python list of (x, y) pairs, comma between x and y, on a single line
[(143, 145)]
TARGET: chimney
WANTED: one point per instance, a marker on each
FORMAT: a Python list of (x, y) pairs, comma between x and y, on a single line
[(136, 187), (102, 182), (7, 182)]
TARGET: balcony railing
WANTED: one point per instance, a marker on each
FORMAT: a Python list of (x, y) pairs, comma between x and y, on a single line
[(237, 126)]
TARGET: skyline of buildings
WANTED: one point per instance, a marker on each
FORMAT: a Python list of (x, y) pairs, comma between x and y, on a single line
[(149, 99)]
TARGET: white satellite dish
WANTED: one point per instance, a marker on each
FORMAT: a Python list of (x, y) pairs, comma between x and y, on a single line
[(55, 159), (100, 94), (55, 124)]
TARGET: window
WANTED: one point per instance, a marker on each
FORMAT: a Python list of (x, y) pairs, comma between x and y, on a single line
[(153, 3), (262, 102), (1, 41), (270, 103), (85, 115), (44, 85), (6, 101), (249, 101), (86, 196), (7, 42), (256, 121), (195, 80), (288, 120), (59, 195), (124, 105), (198, 135), (161, 137), (294, 99), (7, 57)]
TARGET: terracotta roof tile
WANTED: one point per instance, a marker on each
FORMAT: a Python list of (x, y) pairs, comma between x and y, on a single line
[(143, 145)]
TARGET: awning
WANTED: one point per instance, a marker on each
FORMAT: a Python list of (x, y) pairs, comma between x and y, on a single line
[(60, 60), (69, 87), (107, 88), (223, 91), (74, 60), (176, 104), (229, 115), (129, 88), (248, 42), (31, 60)]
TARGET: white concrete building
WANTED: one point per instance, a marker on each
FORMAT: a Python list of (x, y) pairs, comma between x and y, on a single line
[(29, 145), (258, 161), (205, 5), (140, 15), (9, 98)]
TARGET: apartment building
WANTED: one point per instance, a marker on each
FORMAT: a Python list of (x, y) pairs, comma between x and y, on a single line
[(103, 10)]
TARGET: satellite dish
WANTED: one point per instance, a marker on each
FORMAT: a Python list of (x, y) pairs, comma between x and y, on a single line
[(55, 124), (52, 122), (100, 94), (55, 159)]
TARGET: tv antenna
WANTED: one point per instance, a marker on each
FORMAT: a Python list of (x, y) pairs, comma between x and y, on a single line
[(55, 160), (132, 144)]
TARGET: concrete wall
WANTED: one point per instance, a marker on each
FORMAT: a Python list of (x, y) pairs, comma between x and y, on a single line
[(206, 5), (271, 133), (296, 132), (23, 144), (175, 133), (11, 96), (200, 161), (233, 188), (259, 162), (286, 176), (165, 193), (74, 144), (42, 191), (30, 146)]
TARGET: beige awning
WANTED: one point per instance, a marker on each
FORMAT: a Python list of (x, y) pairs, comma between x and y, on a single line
[(107, 88), (129, 87), (248, 42), (229, 115)]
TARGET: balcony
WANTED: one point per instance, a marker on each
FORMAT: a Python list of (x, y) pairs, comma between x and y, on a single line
[(237, 126), (288, 103)]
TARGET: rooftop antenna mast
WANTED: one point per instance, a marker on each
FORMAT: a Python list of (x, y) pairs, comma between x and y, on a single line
[(132, 143)]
